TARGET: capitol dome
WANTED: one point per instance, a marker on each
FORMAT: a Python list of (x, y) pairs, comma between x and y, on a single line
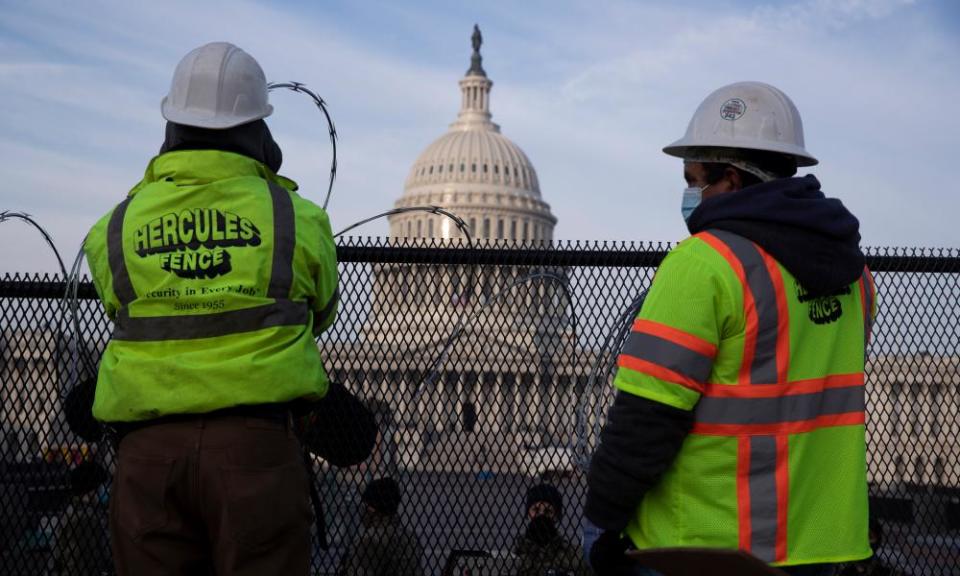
[(477, 173)]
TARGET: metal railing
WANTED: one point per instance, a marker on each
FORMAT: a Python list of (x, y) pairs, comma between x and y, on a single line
[(489, 368)]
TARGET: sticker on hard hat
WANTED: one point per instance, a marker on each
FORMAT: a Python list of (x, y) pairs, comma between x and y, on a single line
[(733, 109)]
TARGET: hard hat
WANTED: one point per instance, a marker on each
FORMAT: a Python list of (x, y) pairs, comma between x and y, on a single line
[(217, 86), (747, 115)]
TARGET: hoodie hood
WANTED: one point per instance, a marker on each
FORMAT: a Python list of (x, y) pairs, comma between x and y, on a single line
[(252, 139), (814, 237)]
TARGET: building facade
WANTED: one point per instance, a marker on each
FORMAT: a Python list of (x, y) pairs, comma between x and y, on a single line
[(498, 340)]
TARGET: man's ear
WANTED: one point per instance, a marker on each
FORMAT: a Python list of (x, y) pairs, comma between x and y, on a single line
[(733, 176)]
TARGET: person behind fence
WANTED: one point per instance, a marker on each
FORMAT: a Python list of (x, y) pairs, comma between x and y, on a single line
[(739, 417), (217, 276), (384, 547), (542, 550), (81, 545)]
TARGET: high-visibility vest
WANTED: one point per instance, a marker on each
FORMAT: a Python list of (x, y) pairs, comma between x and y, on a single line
[(775, 463), (216, 275)]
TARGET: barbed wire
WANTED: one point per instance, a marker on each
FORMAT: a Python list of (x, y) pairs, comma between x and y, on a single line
[(23, 216), (68, 302), (301, 88), (460, 223), (606, 354)]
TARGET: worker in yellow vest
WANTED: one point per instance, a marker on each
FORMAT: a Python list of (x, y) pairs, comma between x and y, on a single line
[(739, 417), (217, 276)]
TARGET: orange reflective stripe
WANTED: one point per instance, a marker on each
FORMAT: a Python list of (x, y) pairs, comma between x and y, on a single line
[(695, 343), (787, 389), (750, 310), (846, 419), (783, 316), (657, 371), (783, 495)]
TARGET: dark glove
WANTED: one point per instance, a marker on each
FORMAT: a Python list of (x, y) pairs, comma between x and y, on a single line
[(607, 554), (78, 409), (337, 428)]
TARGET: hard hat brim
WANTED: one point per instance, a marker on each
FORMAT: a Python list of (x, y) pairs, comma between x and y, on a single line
[(681, 149), (219, 122)]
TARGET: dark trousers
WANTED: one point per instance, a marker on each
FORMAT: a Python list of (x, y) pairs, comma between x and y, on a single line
[(224, 495)]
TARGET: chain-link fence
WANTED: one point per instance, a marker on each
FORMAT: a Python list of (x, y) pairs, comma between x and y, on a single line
[(489, 370)]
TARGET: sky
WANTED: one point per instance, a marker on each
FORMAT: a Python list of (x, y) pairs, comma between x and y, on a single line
[(591, 91)]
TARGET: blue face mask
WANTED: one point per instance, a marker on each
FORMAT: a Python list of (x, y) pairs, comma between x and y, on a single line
[(691, 199)]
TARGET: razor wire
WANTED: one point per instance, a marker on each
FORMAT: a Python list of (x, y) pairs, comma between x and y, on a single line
[(460, 223), (23, 216), (607, 354), (301, 88), (68, 302)]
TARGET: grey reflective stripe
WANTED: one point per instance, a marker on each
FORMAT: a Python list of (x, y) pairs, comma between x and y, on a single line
[(284, 241), (795, 408), (122, 286), (661, 352), (867, 304), (763, 370), (324, 314), (763, 497), (281, 313)]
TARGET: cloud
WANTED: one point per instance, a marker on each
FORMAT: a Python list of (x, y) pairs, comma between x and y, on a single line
[(588, 98), (82, 116), (866, 102)]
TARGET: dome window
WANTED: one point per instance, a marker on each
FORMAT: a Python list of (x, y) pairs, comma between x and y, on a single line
[(484, 168), (515, 175), (431, 169), (463, 167), (473, 167), (450, 169), (440, 168)]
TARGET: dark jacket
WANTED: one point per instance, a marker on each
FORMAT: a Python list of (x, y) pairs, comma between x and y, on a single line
[(252, 139), (384, 548), (814, 237), (555, 558)]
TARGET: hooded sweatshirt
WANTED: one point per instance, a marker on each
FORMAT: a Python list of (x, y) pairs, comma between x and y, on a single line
[(814, 237), (252, 139)]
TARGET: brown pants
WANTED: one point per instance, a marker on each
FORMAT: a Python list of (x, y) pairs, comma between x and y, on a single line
[(220, 495)]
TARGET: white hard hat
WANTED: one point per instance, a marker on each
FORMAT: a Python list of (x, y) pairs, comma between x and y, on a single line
[(748, 115), (217, 86)]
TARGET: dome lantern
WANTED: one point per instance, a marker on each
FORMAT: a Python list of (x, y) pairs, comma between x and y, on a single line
[(477, 173)]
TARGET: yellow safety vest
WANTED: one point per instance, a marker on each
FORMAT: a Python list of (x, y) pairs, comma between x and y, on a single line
[(217, 276), (776, 461)]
